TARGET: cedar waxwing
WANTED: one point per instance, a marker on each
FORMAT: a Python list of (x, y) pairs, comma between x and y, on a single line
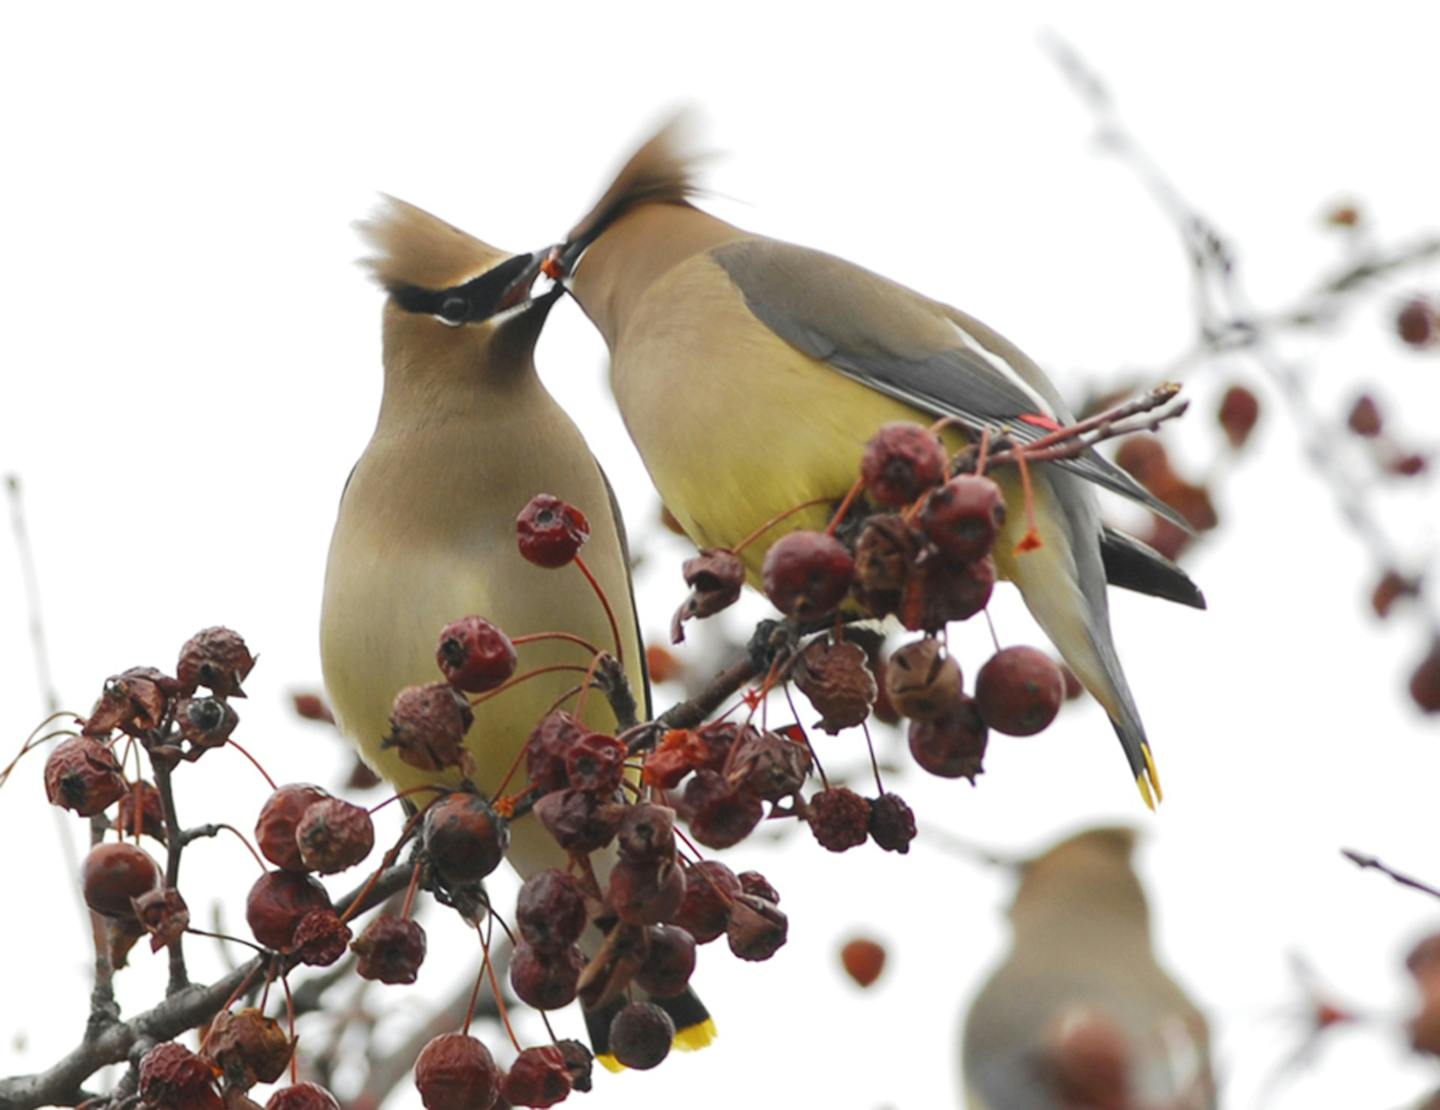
[(1080, 1014), (466, 436), (751, 373)]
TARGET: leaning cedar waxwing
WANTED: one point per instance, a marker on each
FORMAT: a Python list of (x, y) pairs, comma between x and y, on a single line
[(426, 534), (1080, 1015), (751, 373)]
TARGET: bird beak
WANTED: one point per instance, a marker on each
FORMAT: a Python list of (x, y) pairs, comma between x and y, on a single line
[(518, 291)]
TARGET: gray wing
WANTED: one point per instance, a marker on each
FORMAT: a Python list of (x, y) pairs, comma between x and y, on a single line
[(647, 707), (908, 347)]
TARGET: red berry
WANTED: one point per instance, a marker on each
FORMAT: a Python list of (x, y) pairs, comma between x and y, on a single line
[(669, 961), (311, 707), (713, 743), (954, 745), (82, 774), (390, 950), (837, 680), (550, 531), (923, 681), (475, 655), (279, 818), (940, 592), (277, 903), (333, 835), (428, 726), (320, 938), (758, 886), (720, 815), (641, 1035), (892, 823), (115, 873), (303, 1096), (550, 911), (758, 929), (704, 912), (578, 821), (248, 1047), (647, 833), (1239, 412), (1019, 690), (548, 748), (546, 980), (807, 574), (217, 659), (205, 722), (645, 893), (901, 462), (963, 517), (596, 763), (540, 1076), (174, 1078), (1145, 459), (457, 1072), (1364, 419), (839, 818), (863, 960), (464, 838), (769, 766), (1416, 322)]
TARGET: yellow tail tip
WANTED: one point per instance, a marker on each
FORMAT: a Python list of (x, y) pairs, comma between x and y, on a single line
[(609, 1063), (1152, 773), (695, 1037), (1144, 784)]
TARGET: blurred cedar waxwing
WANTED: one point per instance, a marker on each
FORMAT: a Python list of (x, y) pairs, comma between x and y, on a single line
[(751, 373), (1080, 1015), (467, 435)]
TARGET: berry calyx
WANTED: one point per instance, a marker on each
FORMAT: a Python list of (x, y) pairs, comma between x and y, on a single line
[(550, 532)]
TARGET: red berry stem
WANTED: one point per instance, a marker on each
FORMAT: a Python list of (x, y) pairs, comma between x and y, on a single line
[(519, 678), (410, 892), (844, 506), (1030, 541), (264, 773), (535, 637), (604, 601), (588, 682), (982, 456), (245, 840), (194, 931), (290, 1018), (774, 520), (386, 862), (805, 736), (405, 794), (32, 742), (874, 763)]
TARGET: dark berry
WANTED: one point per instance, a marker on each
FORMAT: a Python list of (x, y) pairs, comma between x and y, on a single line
[(1416, 322), (1019, 690), (464, 838), (885, 556), (596, 763), (82, 775), (302, 1096), (539, 1076), (1364, 419), (321, 938), (839, 818), (758, 928), (720, 815), (114, 874), (669, 961), (163, 914), (475, 655), (647, 833), (334, 834), (546, 980), (836, 679), (133, 702), (954, 745), (428, 726), (641, 1035), (963, 517), (390, 950), (548, 748), (940, 592), (550, 531), (923, 681), (892, 823), (704, 912), (769, 766), (715, 577), (206, 722), (901, 462), (456, 1072), (758, 886), (578, 821), (279, 818), (248, 1047), (807, 574), (645, 893), (174, 1078), (277, 903), (217, 659), (550, 910)]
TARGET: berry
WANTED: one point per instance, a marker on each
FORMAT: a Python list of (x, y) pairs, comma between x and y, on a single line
[(704, 912), (546, 980), (758, 886), (548, 748), (647, 833), (115, 873), (550, 531), (174, 1078), (133, 702), (863, 960), (577, 820), (334, 834), (279, 818), (714, 742), (550, 910), (596, 763), (474, 655), (662, 664), (248, 1048), (645, 893), (1416, 322), (885, 556), (1238, 414), (277, 903), (940, 592), (1145, 459), (923, 682), (1425, 681), (769, 766), (807, 574), (82, 774), (901, 462), (757, 929), (715, 577), (312, 707), (464, 838), (669, 961), (641, 1035), (963, 517), (839, 818), (456, 1072), (952, 747), (217, 659), (720, 815), (428, 726), (892, 824), (163, 914), (539, 1076), (1019, 690), (835, 678), (578, 1060), (1364, 419), (1408, 465), (205, 722), (390, 950), (321, 937), (303, 1096)]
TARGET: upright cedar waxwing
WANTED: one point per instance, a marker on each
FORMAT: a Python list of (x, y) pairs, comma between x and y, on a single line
[(1080, 1015), (751, 373), (426, 534)]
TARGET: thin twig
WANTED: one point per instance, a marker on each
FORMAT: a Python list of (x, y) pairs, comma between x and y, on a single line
[(1372, 863)]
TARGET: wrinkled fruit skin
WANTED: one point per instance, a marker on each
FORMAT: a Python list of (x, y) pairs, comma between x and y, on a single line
[(303, 1096), (669, 961), (769, 766), (334, 835), (641, 1035), (539, 1076), (952, 747), (901, 462), (577, 820), (720, 816), (82, 775), (276, 904), (963, 517), (464, 838), (457, 1072), (807, 574), (550, 532), (279, 817), (217, 659), (837, 680), (550, 910), (839, 818), (115, 873), (428, 726), (390, 950), (758, 928), (923, 682), (546, 980), (474, 655), (150, 810), (704, 912), (647, 833), (940, 592), (645, 893), (715, 577), (321, 938), (1019, 691), (548, 748), (174, 1078), (892, 823), (248, 1047)]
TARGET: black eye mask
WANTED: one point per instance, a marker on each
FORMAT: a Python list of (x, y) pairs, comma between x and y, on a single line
[(477, 299)]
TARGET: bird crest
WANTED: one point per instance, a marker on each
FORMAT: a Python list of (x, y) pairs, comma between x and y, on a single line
[(410, 248)]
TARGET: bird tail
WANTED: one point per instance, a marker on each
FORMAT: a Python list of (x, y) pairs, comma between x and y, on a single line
[(694, 1027)]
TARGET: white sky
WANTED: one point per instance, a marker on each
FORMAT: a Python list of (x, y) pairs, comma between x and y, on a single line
[(193, 365)]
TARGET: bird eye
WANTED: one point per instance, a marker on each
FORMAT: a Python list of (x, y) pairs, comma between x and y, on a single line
[(454, 310)]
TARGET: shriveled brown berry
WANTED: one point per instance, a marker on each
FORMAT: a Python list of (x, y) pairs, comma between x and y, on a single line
[(428, 726), (954, 745), (641, 1035), (1238, 414), (839, 818), (550, 532), (940, 592), (713, 742), (892, 823), (1364, 419), (206, 722), (539, 1076), (390, 950), (758, 928), (963, 517), (647, 833), (596, 762), (114, 874), (548, 747), (334, 834), (133, 701), (645, 893), (715, 577), (141, 811), (550, 910), (704, 912), (924, 681), (464, 838), (456, 1072), (163, 914), (901, 462), (474, 655), (769, 766), (83, 775), (807, 574), (1425, 681), (546, 980), (837, 680), (279, 818), (720, 815), (174, 1078), (1416, 323), (217, 659), (1145, 459), (248, 1047), (1019, 690), (579, 1060), (276, 904), (863, 960), (302, 1096), (885, 556), (669, 961), (758, 886), (320, 938), (578, 820)]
